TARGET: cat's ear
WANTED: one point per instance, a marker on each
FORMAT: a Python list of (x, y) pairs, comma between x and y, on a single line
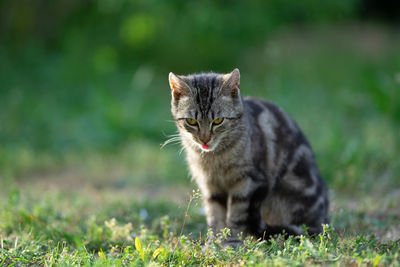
[(178, 86), (231, 85)]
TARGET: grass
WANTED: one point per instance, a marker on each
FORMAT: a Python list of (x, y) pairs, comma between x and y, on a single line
[(88, 227), (94, 188)]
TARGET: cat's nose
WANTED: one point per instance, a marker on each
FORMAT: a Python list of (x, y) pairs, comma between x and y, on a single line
[(205, 139)]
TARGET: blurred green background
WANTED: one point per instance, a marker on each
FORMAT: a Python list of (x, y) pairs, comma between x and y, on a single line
[(84, 91)]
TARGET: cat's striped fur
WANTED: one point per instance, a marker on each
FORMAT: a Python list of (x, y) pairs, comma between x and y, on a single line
[(258, 174)]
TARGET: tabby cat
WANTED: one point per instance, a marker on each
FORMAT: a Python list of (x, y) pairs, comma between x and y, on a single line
[(254, 167)]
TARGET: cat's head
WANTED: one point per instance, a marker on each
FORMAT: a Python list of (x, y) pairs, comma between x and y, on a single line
[(207, 108)]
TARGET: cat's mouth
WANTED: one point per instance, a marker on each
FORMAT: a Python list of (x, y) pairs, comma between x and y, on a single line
[(206, 147), (210, 146)]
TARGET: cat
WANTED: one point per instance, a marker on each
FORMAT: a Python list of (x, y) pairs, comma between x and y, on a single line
[(254, 167)]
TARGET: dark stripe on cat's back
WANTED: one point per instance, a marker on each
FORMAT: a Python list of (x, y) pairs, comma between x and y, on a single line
[(302, 167), (253, 107), (276, 111), (287, 138), (283, 131), (283, 127), (259, 150)]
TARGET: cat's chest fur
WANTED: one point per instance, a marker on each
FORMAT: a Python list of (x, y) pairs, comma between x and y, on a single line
[(221, 171)]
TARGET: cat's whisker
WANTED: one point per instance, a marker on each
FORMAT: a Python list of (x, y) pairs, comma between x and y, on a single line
[(172, 140), (171, 135), (181, 150)]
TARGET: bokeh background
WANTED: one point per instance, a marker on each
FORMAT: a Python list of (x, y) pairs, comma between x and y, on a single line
[(84, 96)]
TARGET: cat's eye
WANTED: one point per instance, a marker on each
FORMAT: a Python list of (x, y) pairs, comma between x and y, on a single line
[(218, 121), (191, 121)]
